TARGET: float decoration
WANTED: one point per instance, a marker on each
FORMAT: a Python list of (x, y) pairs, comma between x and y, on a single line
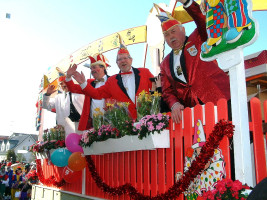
[(49, 181), (221, 129), (230, 28), (214, 170), (149, 133)]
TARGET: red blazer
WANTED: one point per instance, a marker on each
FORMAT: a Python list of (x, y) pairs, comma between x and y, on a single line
[(206, 82), (85, 120), (114, 88)]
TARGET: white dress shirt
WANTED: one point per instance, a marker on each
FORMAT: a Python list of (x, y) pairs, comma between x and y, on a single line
[(128, 81), (176, 63), (95, 103)]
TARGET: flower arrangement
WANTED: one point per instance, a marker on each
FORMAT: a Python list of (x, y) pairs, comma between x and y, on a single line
[(155, 103), (53, 138), (227, 189), (40, 147), (56, 133), (117, 122), (143, 104), (150, 124), (117, 114), (148, 104), (98, 118), (105, 132)]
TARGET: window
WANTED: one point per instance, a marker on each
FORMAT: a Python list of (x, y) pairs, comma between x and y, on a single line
[(7, 146), (3, 146)]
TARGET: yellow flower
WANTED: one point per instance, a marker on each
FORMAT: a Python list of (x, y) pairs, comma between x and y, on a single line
[(142, 93), (97, 109), (120, 104), (156, 94)]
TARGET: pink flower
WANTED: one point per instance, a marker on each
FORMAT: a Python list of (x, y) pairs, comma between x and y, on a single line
[(159, 116), (158, 127), (151, 128), (138, 126), (150, 123), (161, 124), (86, 140)]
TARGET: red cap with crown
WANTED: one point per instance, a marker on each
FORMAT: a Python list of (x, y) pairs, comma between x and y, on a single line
[(122, 48), (99, 59), (61, 75), (167, 21)]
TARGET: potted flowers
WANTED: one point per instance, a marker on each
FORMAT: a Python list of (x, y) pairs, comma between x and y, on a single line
[(149, 133), (52, 139), (227, 189), (151, 124)]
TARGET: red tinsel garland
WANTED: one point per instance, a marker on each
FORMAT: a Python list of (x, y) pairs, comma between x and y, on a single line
[(49, 181), (221, 129)]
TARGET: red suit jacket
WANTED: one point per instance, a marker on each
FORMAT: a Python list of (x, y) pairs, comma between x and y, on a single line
[(85, 120), (206, 82), (114, 88)]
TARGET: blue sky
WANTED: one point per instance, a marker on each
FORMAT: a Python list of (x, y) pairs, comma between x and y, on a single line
[(42, 32)]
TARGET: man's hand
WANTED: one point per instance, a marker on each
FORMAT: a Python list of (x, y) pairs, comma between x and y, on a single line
[(177, 112), (79, 77), (72, 70), (51, 89)]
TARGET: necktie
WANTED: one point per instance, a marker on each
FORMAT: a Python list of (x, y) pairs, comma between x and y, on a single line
[(99, 80), (176, 51), (124, 73)]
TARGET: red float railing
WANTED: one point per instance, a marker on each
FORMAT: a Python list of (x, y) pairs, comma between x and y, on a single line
[(152, 172)]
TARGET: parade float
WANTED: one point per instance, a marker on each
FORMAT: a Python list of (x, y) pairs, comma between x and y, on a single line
[(154, 158)]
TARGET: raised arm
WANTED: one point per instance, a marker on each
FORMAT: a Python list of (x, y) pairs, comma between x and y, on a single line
[(193, 9)]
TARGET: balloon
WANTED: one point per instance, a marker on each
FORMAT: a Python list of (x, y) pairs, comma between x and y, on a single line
[(71, 176), (60, 157), (72, 142), (77, 161)]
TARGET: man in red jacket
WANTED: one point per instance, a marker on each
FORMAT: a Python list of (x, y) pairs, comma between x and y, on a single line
[(123, 87), (98, 68), (186, 79)]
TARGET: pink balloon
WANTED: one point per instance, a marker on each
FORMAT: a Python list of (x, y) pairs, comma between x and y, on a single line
[(72, 142)]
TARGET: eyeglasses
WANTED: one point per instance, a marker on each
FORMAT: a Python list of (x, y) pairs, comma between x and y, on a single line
[(121, 59)]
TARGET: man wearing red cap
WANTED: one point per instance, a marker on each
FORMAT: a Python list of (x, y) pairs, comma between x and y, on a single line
[(186, 79), (68, 105), (98, 68), (123, 87)]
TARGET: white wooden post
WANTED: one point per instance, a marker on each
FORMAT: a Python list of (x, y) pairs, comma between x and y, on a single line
[(234, 61)]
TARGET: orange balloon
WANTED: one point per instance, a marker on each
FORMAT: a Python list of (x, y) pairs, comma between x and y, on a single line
[(76, 161)]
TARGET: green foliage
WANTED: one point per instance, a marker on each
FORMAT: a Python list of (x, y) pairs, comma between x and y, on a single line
[(11, 155)]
